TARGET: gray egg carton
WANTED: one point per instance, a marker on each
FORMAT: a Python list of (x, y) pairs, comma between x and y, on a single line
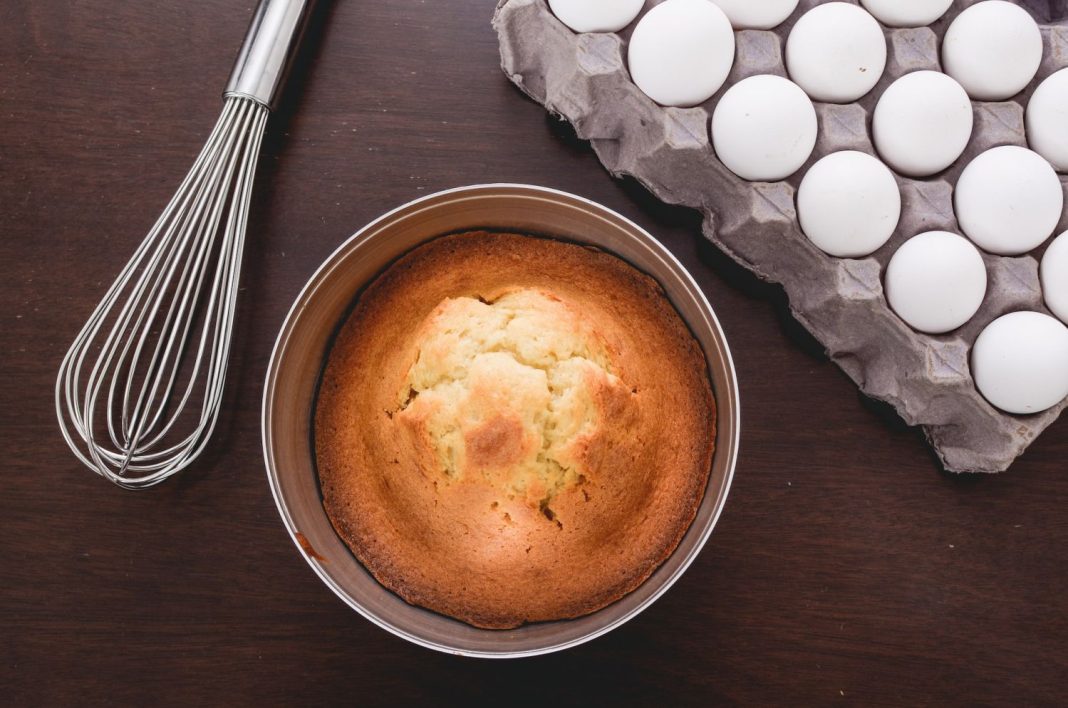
[(583, 78)]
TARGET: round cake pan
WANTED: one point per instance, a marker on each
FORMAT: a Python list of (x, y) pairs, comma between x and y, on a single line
[(306, 335)]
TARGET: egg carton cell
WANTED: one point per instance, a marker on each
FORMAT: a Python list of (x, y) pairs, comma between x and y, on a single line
[(584, 79)]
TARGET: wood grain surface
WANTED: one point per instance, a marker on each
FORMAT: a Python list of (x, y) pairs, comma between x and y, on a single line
[(846, 567)]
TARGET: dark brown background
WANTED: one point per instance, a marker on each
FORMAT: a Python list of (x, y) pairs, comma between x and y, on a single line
[(846, 566)]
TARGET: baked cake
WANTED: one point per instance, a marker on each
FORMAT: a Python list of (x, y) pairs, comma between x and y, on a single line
[(513, 429)]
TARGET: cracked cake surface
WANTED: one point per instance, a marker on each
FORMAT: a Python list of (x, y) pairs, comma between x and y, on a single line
[(513, 429)]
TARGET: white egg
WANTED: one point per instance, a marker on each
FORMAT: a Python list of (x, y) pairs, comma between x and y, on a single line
[(596, 15), (993, 49), (1047, 120), (1020, 362), (836, 52), (1054, 276), (848, 204), (756, 14), (936, 281), (907, 13), (1008, 200), (764, 128), (922, 123), (681, 52)]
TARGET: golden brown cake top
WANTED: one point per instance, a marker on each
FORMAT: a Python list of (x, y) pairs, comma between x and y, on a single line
[(513, 429)]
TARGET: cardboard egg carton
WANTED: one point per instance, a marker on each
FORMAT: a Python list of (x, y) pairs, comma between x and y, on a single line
[(926, 378)]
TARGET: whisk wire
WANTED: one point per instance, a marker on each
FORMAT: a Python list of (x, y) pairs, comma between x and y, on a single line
[(159, 305)]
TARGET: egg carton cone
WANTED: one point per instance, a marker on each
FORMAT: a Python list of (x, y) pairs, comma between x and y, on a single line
[(583, 78)]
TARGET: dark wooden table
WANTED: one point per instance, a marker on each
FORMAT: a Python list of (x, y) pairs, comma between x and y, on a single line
[(846, 566)]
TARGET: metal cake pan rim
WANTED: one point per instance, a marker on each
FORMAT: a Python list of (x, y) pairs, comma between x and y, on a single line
[(728, 404)]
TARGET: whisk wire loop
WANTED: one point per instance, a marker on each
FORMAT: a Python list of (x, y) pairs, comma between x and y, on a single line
[(157, 345)]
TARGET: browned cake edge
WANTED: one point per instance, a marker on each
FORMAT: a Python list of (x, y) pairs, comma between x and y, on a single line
[(378, 561)]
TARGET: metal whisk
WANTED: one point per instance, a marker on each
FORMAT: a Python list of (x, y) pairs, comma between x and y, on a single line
[(157, 345)]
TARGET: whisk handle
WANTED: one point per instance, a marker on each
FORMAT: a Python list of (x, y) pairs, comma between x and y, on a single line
[(270, 45)]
